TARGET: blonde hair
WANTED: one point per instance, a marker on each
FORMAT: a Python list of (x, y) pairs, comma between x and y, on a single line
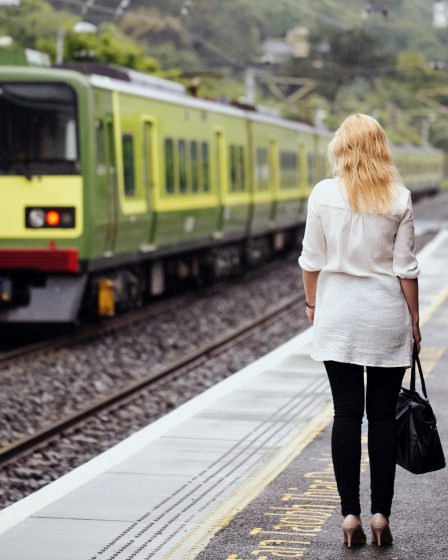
[(360, 156)]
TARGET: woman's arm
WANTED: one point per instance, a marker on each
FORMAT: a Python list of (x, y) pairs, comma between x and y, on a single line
[(406, 267), (314, 253), (310, 285), (409, 287)]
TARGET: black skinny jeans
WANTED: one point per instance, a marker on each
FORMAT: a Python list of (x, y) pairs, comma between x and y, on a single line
[(347, 387)]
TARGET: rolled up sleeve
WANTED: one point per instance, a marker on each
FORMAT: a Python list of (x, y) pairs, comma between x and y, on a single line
[(314, 246), (405, 264)]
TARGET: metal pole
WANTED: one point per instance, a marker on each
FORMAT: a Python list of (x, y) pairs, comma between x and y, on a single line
[(250, 85), (60, 45)]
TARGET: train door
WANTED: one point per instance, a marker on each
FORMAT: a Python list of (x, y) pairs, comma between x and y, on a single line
[(220, 176), (274, 173), (133, 226), (104, 195), (251, 183), (111, 203), (150, 171)]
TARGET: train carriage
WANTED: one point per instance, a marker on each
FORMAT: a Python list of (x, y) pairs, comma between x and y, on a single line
[(114, 183)]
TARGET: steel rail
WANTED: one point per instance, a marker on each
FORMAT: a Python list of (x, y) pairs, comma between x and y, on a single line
[(148, 311), (167, 373), (92, 330)]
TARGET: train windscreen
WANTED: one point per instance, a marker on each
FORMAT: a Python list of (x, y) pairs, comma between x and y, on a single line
[(38, 129)]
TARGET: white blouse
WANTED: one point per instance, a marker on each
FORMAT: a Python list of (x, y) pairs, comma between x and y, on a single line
[(361, 315)]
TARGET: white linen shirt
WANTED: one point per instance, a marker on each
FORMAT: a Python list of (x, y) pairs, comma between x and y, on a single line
[(361, 315)]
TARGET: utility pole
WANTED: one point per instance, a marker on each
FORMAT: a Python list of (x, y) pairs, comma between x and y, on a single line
[(301, 86), (60, 45), (79, 27), (251, 85)]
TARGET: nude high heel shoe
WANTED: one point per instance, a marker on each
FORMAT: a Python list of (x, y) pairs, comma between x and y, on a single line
[(381, 534), (353, 531)]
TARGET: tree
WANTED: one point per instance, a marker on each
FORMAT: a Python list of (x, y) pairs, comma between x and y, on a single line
[(32, 20), (154, 28), (108, 45)]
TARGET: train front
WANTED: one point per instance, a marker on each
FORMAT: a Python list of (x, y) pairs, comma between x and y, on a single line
[(41, 195)]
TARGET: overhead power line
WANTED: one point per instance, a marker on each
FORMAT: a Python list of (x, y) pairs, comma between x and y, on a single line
[(302, 7), (423, 6), (234, 60)]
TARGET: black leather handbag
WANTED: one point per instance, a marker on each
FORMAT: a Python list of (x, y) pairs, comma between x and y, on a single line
[(419, 447)]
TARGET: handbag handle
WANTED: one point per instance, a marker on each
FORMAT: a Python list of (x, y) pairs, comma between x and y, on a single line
[(416, 359)]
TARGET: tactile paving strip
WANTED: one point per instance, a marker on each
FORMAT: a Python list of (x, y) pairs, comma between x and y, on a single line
[(156, 532)]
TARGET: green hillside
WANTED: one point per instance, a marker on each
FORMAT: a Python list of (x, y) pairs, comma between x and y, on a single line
[(375, 64), (235, 28)]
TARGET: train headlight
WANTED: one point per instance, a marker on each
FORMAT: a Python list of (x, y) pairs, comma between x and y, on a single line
[(36, 218)]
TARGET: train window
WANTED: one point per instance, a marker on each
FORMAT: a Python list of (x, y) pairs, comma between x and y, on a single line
[(111, 159), (233, 169), (182, 166), (205, 167), (39, 130), (237, 168), (128, 164), (147, 163), (194, 166), (242, 167), (100, 147), (262, 169), (218, 161), (169, 166), (289, 170)]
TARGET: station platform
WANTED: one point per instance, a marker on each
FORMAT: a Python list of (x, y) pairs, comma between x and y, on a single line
[(241, 471)]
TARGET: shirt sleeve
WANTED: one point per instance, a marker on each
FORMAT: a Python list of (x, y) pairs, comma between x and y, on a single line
[(405, 264), (314, 246)]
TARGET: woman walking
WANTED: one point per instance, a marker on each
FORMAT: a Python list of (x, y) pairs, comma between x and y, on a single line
[(360, 277)]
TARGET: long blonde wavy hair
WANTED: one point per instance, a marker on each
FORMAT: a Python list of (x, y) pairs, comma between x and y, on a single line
[(360, 157)]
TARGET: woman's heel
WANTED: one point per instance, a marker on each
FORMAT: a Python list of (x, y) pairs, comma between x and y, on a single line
[(348, 536), (353, 531), (381, 534)]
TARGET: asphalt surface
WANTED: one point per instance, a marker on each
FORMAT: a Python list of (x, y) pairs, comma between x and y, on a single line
[(298, 514)]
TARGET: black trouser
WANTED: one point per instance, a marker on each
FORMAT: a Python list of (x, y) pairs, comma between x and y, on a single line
[(347, 387)]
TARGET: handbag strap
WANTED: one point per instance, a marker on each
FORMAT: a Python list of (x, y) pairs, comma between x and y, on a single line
[(416, 359)]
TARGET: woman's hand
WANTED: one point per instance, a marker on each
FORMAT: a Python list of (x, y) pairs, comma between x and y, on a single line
[(310, 314), (417, 336)]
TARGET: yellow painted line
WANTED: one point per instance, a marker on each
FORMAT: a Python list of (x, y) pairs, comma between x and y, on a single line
[(428, 358), (435, 304), (197, 539)]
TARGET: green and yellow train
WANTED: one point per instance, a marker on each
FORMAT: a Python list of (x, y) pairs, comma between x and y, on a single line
[(113, 184)]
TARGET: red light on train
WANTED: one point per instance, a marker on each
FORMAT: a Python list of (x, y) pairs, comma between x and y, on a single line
[(52, 218), (61, 217)]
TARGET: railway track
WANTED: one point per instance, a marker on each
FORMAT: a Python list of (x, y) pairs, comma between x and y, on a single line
[(90, 331), (156, 377)]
